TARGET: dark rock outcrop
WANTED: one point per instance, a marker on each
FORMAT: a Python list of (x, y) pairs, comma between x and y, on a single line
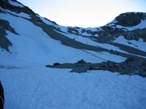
[(131, 66), (130, 19), (4, 42), (135, 34), (1, 96)]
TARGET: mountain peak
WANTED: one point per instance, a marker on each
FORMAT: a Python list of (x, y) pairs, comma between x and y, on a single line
[(130, 18)]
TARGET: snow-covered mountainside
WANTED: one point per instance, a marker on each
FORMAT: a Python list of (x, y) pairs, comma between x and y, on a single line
[(47, 66)]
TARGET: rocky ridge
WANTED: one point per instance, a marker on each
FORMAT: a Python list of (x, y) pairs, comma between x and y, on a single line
[(119, 26), (131, 66)]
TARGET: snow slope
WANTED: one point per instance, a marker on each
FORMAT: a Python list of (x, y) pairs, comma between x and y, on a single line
[(38, 47), (140, 44), (46, 88), (89, 41)]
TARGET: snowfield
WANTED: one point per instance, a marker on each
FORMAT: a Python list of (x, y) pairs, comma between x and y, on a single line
[(140, 44), (45, 88), (91, 42)]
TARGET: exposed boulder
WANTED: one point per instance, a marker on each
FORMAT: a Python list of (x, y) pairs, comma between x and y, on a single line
[(81, 62), (56, 64)]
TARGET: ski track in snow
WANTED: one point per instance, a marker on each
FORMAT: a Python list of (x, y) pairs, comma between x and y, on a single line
[(46, 88)]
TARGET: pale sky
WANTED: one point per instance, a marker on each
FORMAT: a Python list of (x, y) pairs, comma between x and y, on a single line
[(84, 13)]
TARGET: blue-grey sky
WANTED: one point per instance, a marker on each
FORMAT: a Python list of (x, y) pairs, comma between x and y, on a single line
[(84, 13)]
